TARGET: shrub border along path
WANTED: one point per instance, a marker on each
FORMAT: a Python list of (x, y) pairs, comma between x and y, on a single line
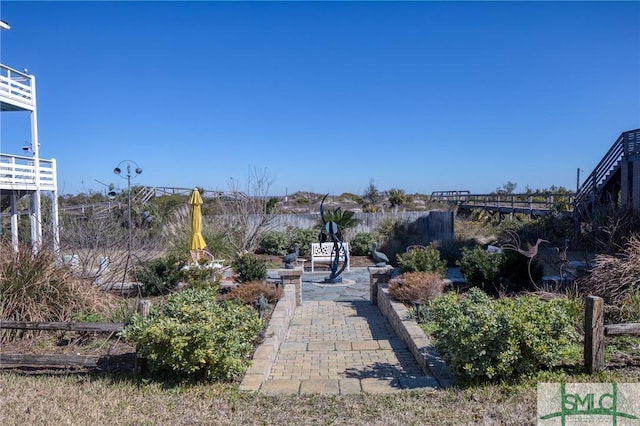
[(417, 342)]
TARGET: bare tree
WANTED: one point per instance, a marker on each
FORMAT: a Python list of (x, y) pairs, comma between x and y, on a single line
[(243, 218), (96, 244)]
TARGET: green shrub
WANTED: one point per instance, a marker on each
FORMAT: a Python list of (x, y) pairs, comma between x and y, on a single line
[(122, 312), (515, 271), (159, 276), (481, 268), (304, 238), (274, 243), (360, 245), (422, 261), (386, 228), (87, 317), (193, 334), (451, 250), (494, 272), (485, 339), (201, 276), (249, 268)]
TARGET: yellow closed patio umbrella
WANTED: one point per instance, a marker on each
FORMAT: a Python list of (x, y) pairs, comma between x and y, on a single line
[(197, 242)]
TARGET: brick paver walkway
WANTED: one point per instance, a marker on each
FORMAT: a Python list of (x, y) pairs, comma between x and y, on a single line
[(343, 347)]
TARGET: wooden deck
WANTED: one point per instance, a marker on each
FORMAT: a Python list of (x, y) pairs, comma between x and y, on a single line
[(530, 204)]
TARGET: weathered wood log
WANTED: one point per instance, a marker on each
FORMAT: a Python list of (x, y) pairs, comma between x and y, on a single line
[(626, 329), (594, 334), (63, 360), (99, 327)]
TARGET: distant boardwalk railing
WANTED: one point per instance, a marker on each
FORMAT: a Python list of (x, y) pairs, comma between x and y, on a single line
[(532, 204)]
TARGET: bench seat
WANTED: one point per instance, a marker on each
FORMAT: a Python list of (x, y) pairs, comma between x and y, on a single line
[(324, 254)]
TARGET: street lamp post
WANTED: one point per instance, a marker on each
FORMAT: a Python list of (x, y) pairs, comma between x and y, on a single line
[(137, 170)]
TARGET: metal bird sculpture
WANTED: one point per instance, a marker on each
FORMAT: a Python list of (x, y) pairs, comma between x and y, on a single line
[(380, 258), (562, 258), (290, 259), (531, 252)]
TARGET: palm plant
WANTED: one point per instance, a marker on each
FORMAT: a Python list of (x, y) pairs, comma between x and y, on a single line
[(345, 219)]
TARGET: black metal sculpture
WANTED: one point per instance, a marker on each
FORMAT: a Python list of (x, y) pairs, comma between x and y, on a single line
[(380, 258), (331, 231), (290, 259)]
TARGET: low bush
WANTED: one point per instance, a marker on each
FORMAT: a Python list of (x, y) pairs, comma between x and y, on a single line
[(247, 293), (497, 272), (87, 317), (360, 244), (451, 250), (480, 268), (201, 276), (304, 238), (274, 243), (416, 286), (249, 268), (422, 261), (485, 339), (159, 276), (520, 275), (194, 335)]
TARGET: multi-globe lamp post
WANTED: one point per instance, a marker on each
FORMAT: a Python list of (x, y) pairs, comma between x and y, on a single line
[(132, 170)]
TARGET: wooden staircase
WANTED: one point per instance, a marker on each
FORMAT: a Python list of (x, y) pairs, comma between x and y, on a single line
[(616, 178)]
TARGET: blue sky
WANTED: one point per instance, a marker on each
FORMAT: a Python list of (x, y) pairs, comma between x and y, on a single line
[(325, 96)]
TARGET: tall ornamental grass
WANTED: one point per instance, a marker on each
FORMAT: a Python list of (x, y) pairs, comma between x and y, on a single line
[(34, 287)]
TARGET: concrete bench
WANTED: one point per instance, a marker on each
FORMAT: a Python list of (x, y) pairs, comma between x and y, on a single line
[(324, 254)]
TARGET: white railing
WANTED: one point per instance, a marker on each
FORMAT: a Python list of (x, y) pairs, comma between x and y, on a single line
[(17, 88), (19, 173)]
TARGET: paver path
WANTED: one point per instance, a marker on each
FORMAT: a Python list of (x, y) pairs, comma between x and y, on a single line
[(343, 347)]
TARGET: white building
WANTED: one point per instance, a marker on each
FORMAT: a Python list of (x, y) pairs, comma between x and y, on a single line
[(25, 175)]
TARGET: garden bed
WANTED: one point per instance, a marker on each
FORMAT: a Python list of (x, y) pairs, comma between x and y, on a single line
[(111, 354)]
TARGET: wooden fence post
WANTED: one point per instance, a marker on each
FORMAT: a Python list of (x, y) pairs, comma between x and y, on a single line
[(143, 308), (594, 334), (142, 366)]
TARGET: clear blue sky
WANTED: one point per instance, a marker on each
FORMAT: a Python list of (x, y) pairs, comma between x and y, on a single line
[(326, 96)]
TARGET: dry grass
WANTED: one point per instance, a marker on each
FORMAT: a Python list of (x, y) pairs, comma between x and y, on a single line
[(613, 277), (248, 292), (81, 400), (416, 286), (97, 400), (35, 288)]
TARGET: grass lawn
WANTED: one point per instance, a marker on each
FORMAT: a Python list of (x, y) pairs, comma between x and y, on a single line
[(94, 399)]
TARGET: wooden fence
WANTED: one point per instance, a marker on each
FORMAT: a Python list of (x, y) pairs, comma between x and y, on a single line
[(65, 360), (595, 331)]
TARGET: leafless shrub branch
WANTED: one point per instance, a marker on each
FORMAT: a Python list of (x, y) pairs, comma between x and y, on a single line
[(245, 217)]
